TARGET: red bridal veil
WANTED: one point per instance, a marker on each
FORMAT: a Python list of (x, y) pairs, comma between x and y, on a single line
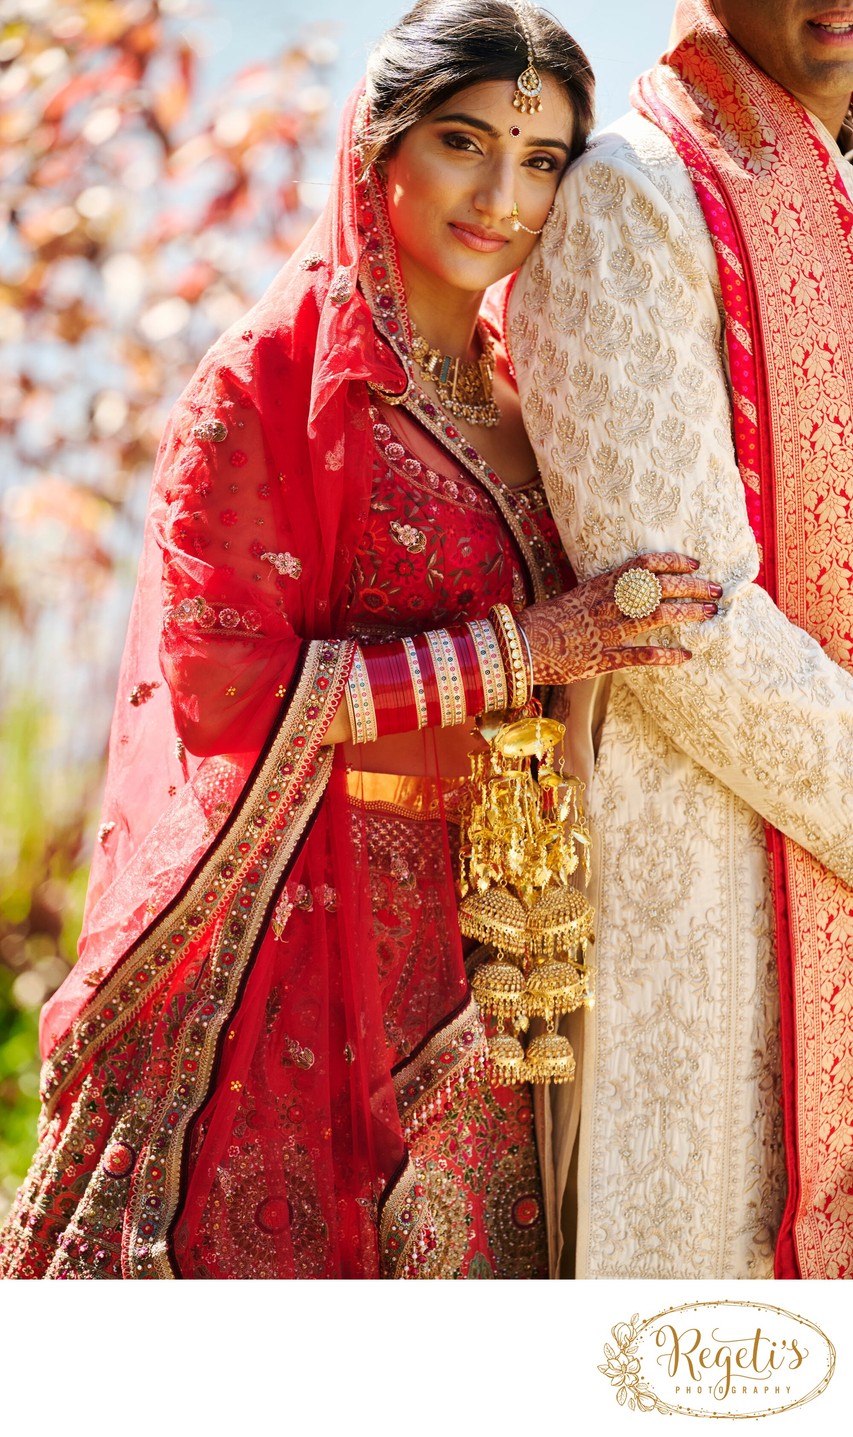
[(218, 1051)]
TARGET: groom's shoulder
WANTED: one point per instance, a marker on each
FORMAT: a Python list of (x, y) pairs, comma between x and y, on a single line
[(631, 157), (631, 140)]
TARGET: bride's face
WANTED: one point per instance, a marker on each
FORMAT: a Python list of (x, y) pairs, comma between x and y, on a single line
[(454, 177)]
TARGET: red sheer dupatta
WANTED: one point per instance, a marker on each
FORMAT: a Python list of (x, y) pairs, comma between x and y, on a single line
[(226, 1002)]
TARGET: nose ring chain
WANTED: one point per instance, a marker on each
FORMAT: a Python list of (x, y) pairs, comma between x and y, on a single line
[(517, 225)]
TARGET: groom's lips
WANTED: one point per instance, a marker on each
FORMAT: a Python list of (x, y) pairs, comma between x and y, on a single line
[(833, 28)]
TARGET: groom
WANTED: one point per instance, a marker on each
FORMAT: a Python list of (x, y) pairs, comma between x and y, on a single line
[(684, 346)]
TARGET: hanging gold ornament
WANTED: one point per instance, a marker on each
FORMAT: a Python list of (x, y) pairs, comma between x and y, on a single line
[(523, 839)]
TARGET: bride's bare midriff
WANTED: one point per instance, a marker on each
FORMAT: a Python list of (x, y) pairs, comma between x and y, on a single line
[(437, 750)]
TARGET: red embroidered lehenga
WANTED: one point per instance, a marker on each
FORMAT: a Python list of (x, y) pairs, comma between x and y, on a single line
[(267, 1062)]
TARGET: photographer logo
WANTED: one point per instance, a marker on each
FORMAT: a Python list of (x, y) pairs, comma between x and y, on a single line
[(718, 1359)]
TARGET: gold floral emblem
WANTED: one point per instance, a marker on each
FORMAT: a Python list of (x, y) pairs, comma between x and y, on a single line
[(624, 1371)]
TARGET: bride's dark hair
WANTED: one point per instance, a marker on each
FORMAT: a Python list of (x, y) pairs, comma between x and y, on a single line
[(442, 46)]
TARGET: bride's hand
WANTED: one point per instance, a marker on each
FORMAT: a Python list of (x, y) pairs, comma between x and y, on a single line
[(583, 633)]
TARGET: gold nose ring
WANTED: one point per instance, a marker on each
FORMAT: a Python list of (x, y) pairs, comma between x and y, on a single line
[(517, 225)]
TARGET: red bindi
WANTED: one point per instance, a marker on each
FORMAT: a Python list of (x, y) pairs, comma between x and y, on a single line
[(515, 132)]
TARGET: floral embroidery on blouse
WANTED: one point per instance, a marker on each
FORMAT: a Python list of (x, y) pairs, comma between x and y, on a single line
[(435, 550)]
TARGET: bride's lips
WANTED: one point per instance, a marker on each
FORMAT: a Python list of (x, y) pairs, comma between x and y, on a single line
[(475, 237), (833, 28)]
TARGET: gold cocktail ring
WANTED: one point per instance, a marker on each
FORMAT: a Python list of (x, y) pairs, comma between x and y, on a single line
[(637, 593)]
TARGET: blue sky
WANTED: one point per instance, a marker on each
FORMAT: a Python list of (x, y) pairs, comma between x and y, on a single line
[(621, 37)]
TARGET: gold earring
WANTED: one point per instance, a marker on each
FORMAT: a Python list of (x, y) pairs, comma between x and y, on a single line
[(516, 222)]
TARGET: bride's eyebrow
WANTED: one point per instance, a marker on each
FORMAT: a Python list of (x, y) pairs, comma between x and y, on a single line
[(487, 129), (550, 145), (475, 124)]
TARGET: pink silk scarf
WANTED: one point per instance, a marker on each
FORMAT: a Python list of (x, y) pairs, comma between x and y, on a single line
[(781, 223)]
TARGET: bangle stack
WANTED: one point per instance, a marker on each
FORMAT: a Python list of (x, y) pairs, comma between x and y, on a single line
[(439, 678)]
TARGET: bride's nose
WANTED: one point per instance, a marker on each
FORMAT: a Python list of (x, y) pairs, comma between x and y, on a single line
[(494, 197)]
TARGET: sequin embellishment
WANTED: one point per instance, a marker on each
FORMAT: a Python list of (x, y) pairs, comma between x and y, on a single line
[(141, 693), (283, 910), (285, 564), (312, 261), (413, 540), (341, 291), (210, 431), (302, 1057)]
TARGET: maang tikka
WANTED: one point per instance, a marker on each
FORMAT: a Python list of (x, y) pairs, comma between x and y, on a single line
[(529, 83)]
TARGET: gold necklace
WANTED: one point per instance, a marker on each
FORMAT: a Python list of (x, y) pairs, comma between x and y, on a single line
[(463, 386)]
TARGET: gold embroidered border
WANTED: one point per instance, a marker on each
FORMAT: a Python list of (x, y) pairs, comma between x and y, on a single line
[(298, 759), (447, 1060), (411, 796), (821, 926), (407, 1233), (424, 1086), (212, 895)]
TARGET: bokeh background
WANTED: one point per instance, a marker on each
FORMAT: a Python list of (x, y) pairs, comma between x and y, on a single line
[(158, 161)]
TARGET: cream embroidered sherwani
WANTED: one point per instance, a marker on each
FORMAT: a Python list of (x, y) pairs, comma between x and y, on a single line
[(615, 328)]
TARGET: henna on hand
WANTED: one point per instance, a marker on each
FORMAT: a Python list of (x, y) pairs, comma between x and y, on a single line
[(583, 633)]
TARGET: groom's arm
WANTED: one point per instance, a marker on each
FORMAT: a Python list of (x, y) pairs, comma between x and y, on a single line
[(616, 333)]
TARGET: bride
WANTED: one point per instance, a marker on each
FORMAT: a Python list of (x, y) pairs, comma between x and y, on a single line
[(267, 1062)]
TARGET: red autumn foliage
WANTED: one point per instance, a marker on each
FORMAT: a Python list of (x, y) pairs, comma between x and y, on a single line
[(140, 216)]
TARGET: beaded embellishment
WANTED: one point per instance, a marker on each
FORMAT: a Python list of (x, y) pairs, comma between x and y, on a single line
[(210, 431), (413, 540), (341, 290), (285, 564), (141, 693)]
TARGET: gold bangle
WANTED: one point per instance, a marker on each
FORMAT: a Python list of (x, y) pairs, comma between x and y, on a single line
[(512, 653), (526, 642)]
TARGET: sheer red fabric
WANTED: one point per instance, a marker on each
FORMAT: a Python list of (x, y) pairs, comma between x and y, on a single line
[(258, 1068)]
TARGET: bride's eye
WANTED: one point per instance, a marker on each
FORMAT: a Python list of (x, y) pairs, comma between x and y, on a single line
[(545, 163), (457, 141)]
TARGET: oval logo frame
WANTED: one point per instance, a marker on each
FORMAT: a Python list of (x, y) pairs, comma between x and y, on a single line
[(733, 1358)]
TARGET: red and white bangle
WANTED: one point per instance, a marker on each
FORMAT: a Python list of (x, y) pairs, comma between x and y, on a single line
[(359, 700), (495, 695), (448, 673), (439, 678), (418, 686)]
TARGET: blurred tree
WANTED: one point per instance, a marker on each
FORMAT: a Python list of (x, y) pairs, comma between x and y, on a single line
[(140, 215)]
